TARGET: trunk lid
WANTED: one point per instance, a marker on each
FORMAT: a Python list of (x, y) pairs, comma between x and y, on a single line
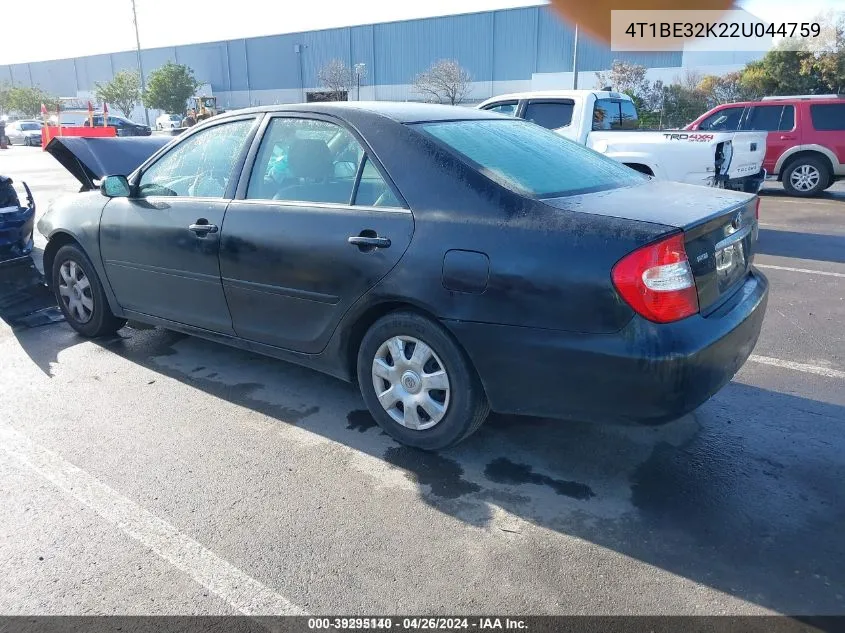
[(720, 228)]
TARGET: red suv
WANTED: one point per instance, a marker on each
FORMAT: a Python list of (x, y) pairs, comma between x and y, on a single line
[(805, 147)]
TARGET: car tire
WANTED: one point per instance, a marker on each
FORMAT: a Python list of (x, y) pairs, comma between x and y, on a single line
[(458, 410), (806, 177), (80, 294)]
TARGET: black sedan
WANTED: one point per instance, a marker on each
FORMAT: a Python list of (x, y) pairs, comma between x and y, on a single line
[(450, 260)]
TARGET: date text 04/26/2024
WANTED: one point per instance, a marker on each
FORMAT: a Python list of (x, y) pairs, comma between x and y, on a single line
[(722, 29), (417, 624)]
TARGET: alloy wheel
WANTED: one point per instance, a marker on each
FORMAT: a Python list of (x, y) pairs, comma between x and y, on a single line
[(75, 291), (805, 178), (411, 382)]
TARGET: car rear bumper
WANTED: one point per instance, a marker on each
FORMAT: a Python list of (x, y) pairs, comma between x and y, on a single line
[(646, 373)]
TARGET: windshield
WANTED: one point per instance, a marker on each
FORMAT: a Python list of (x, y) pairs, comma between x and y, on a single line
[(175, 117), (29, 126), (529, 159)]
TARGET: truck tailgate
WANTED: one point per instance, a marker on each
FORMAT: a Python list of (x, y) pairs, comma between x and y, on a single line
[(749, 150)]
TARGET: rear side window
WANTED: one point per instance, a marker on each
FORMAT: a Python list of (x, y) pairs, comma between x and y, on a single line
[(828, 116), (550, 114), (614, 114), (769, 118), (530, 160)]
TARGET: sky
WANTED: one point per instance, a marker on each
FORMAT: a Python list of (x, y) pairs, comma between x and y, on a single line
[(73, 29)]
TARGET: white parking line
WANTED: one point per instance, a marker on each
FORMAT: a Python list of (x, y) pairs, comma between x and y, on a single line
[(800, 270), (807, 369), (243, 592)]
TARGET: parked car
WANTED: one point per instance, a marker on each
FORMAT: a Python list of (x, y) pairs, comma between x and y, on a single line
[(169, 122), (24, 133), (124, 126), (608, 123), (450, 260), (806, 137)]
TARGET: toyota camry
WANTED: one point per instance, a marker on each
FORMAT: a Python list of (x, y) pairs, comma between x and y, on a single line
[(449, 260)]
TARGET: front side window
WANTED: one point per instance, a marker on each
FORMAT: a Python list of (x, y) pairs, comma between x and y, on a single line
[(725, 120), (201, 166), (509, 108), (308, 160), (530, 160), (552, 115)]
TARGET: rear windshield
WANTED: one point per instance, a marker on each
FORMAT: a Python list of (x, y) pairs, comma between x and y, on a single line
[(529, 159)]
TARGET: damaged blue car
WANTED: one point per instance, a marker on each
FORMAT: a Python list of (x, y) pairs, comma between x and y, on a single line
[(16, 221)]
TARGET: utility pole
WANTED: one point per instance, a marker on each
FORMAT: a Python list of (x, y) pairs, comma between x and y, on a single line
[(360, 71), (574, 60), (140, 66)]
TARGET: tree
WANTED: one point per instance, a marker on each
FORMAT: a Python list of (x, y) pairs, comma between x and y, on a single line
[(5, 88), (123, 91), (724, 89), (27, 101), (337, 78), (169, 87), (624, 77), (445, 82)]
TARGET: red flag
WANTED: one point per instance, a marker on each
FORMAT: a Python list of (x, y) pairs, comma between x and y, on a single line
[(44, 114)]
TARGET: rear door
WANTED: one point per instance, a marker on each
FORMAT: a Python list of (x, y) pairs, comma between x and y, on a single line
[(316, 223), (779, 121), (160, 248), (828, 128)]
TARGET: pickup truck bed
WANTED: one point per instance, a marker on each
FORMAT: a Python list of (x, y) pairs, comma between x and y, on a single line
[(607, 122)]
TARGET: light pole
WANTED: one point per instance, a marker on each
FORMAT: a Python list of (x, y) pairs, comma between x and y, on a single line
[(140, 66), (360, 71), (575, 61)]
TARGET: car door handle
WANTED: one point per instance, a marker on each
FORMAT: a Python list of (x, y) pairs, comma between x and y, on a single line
[(787, 138), (203, 229), (366, 243)]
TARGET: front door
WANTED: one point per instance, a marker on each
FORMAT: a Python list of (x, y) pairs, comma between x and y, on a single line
[(160, 247), (318, 225)]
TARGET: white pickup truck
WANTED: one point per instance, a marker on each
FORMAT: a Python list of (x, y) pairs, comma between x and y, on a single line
[(607, 122)]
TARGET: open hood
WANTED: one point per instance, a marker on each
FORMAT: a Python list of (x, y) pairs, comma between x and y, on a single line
[(90, 159)]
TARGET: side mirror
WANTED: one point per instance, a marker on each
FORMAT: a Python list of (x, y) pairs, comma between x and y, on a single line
[(115, 187)]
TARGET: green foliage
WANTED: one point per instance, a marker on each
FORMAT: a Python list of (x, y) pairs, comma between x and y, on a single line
[(169, 87), (123, 91), (27, 101)]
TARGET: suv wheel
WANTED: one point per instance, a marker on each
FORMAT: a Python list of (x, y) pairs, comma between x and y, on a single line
[(418, 384), (806, 177)]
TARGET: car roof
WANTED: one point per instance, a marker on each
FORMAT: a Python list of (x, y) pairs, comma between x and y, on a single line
[(780, 101), (401, 112), (558, 94)]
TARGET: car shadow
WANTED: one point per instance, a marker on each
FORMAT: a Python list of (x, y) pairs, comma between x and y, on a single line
[(836, 195), (827, 248), (744, 495), (26, 302)]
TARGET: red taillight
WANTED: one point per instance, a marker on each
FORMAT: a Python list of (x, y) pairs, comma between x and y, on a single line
[(657, 282)]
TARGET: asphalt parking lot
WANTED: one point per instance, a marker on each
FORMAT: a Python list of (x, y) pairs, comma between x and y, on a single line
[(154, 473)]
